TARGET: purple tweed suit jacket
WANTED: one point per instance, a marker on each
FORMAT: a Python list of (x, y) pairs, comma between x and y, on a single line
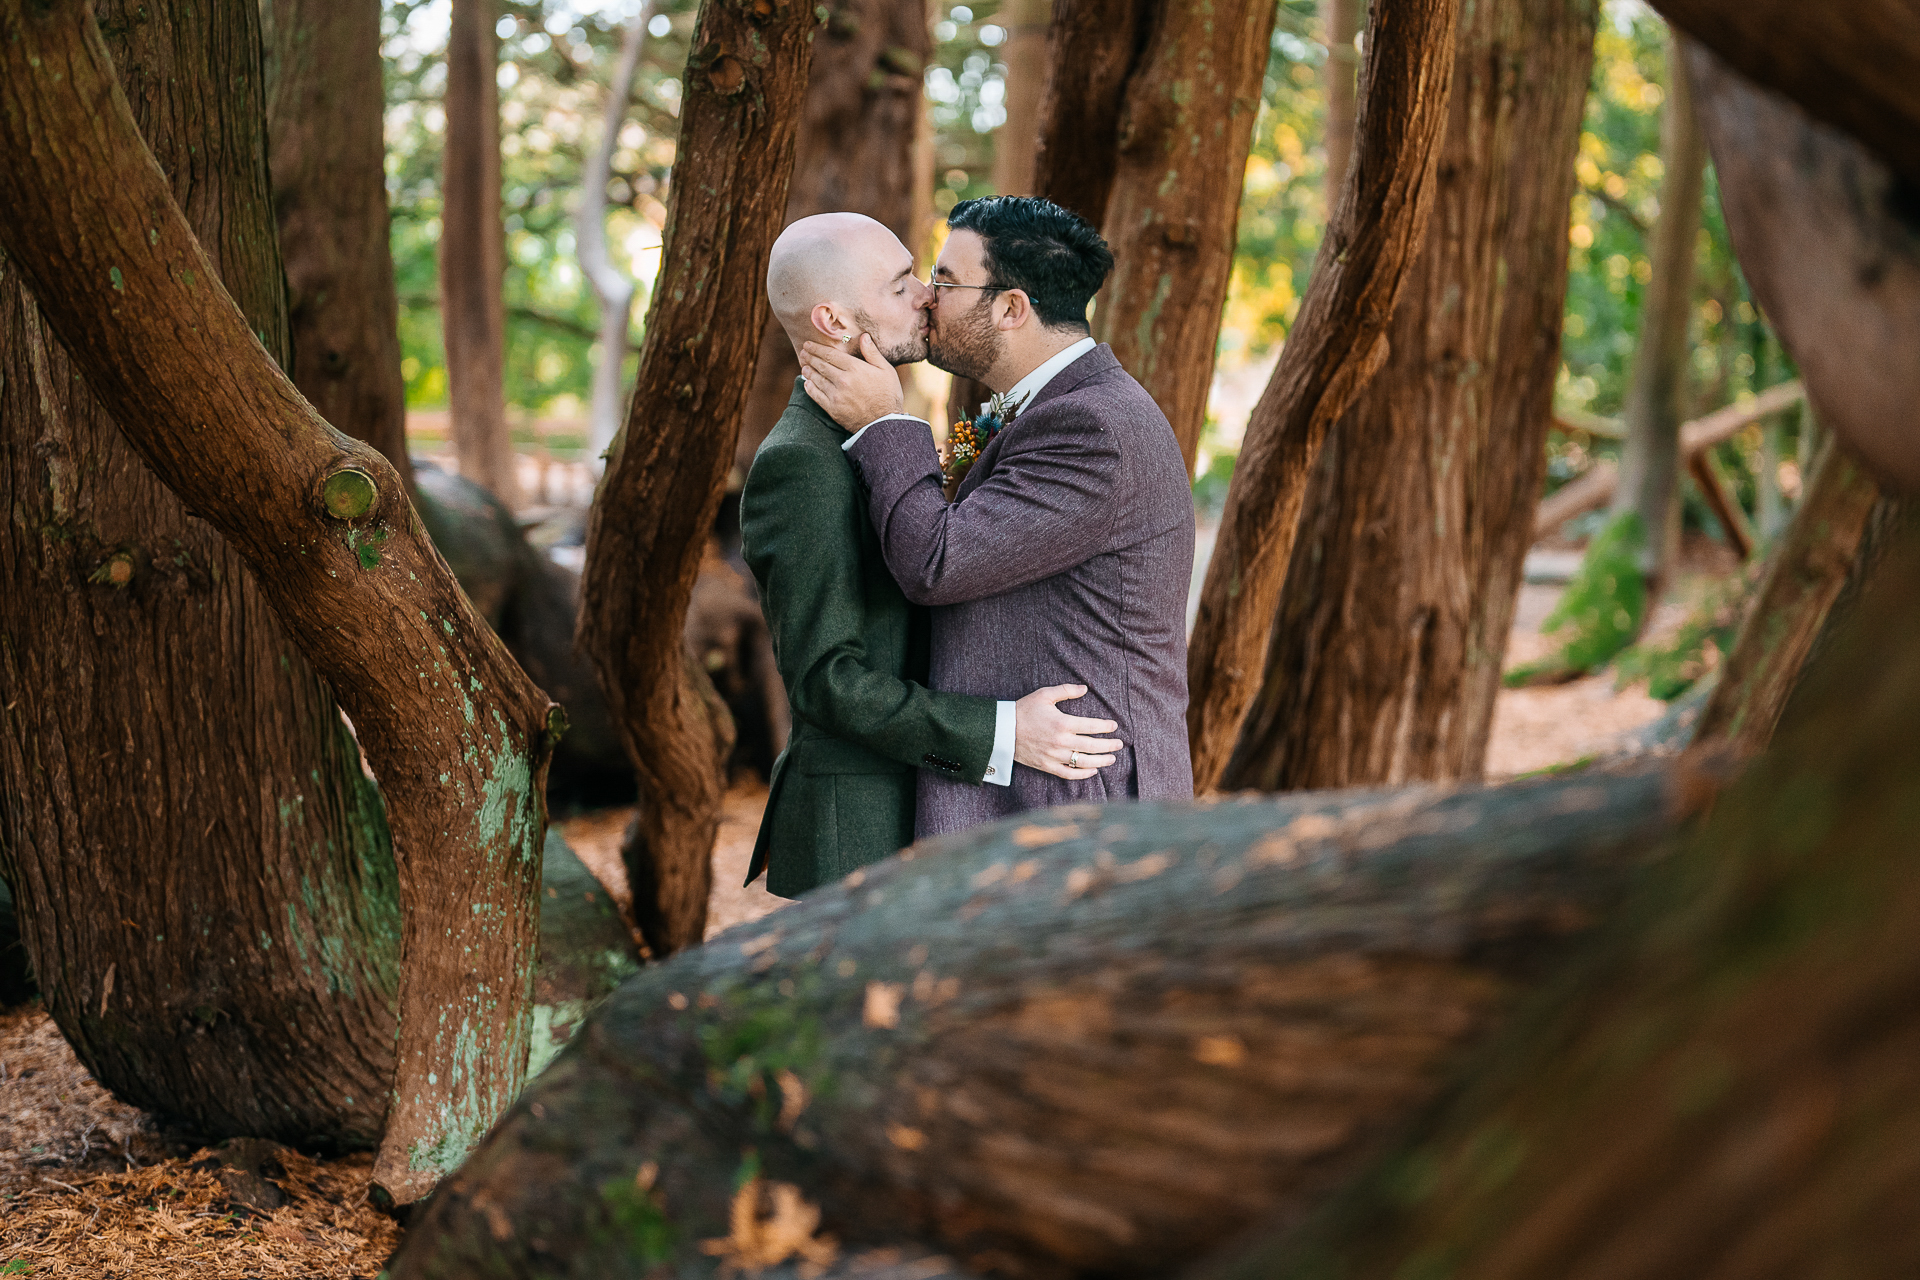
[(1065, 560)]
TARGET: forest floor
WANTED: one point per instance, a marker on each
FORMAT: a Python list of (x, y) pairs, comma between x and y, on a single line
[(90, 1187)]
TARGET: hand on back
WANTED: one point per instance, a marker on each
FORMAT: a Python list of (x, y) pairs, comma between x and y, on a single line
[(1047, 738), (853, 386)]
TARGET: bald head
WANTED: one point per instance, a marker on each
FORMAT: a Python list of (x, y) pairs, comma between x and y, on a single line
[(834, 275)]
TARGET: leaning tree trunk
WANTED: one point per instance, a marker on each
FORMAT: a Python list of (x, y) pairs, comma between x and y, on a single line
[(1337, 345), (1824, 234), (328, 155), (1340, 23), (1091, 1042), (1181, 159), (1806, 571), (744, 87), (1386, 650), (473, 316), (1850, 65), (1648, 490), (1093, 49), (457, 735), (203, 871), (855, 154)]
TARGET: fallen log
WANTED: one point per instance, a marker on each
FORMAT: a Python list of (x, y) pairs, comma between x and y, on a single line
[(1097, 1040), (1595, 488), (1723, 1087)]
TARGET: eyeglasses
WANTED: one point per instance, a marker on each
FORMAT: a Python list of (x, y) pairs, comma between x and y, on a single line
[(990, 288)]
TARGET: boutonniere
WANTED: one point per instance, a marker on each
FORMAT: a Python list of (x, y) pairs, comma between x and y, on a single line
[(968, 438)]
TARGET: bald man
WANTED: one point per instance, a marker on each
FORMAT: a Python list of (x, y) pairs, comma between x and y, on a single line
[(852, 650)]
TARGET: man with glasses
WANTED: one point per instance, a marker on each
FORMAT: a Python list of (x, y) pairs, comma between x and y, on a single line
[(1067, 552), (850, 647)]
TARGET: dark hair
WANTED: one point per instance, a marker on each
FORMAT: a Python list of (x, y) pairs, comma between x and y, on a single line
[(1036, 246)]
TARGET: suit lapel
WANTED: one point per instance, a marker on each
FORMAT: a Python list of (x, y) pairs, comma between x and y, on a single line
[(1096, 361)]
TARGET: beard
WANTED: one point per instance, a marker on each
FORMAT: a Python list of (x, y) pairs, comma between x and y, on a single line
[(969, 346), (896, 349)]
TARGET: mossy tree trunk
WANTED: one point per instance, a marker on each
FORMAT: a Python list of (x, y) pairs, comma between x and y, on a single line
[(457, 735), (204, 875), (327, 150), (1337, 345), (744, 85), (855, 154), (1090, 1043), (1386, 649), (1180, 162), (473, 264)]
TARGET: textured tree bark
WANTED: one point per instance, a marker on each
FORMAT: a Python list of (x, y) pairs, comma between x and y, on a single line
[(612, 287), (1849, 66), (1386, 650), (1340, 21), (457, 735), (1093, 49), (744, 89), (1721, 1089), (204, 875), (1337, 345), (1092, 1043), (1824, 234), (1649, 484), (855, 153), (1181, 160), (328, 156), (473, 265), (1805, 573)]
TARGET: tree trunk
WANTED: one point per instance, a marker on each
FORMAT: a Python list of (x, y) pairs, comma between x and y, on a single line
[(1849, 66), (1090, 1042), (1649, 486), (1385, 655), (1722, 1088), (1805, 574), (1025, 55), (1181, 160), (205, 880), (473, 254), (855, 153), (668, 467), (328, 154), (1340, 20), (1093, 48), (452, 728), (612, 287), (1337, 345), (1824, 234)]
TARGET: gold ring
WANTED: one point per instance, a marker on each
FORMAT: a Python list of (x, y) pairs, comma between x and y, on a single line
[(1073, 760)]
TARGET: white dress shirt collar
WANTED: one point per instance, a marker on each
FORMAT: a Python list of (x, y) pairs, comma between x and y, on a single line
[(1031, 385)]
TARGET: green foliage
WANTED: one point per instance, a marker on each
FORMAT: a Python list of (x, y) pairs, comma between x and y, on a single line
[(1670, 668), (638, 1218), (16, 1267), (1602, 608)]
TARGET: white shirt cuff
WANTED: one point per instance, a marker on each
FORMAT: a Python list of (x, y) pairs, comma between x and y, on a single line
[(848, 444), (1000, 763)]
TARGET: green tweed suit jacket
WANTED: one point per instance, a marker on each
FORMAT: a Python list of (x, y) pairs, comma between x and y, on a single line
[(853, 653)]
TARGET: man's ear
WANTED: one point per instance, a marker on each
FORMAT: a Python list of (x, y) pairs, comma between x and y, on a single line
[(1019, 309), (827, 322)]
